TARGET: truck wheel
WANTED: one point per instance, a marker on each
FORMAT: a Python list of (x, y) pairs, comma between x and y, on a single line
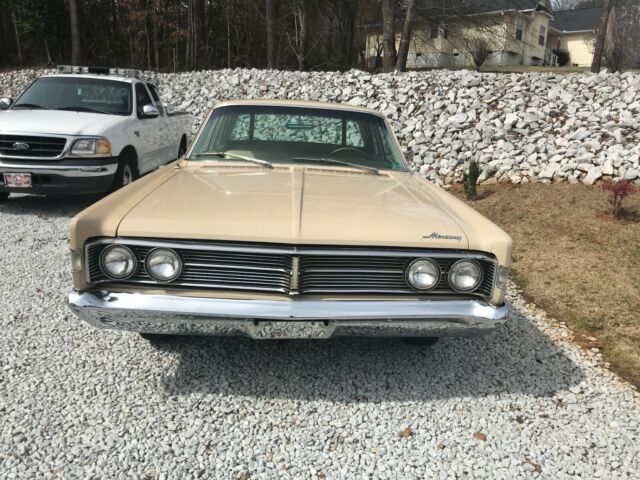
[(4, 196), (127, 171), (421, 341)]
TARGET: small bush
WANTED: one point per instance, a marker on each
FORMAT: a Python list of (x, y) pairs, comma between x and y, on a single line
[(470, 180), (619, 190), (563, 57)]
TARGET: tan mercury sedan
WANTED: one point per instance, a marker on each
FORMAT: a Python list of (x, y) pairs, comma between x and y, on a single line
[(289, 220)]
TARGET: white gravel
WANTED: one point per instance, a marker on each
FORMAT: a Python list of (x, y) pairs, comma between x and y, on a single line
[(81, 403)]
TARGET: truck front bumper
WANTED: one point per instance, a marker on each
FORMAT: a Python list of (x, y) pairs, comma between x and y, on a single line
[(289, 318), (65, 177)]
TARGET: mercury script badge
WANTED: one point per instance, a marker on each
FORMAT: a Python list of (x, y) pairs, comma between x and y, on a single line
[(440, 236)]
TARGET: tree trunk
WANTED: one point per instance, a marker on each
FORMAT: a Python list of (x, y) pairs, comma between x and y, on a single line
[(388, 35), (602, 36), (272, 6), (302, 41), (76, 45), (15, 29), (228, 34), (405, 42)]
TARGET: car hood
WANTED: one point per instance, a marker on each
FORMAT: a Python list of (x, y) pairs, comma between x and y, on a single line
[(294, 204), (55, 122)]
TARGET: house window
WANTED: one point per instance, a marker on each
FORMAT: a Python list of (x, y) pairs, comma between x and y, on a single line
[(434, 31), (543, 36), (519, 31)]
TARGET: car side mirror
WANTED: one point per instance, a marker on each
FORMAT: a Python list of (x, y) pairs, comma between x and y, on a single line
[(5, 103), (408, 155), (150, 111)]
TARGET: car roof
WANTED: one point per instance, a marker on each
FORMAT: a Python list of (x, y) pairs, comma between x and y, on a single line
[(96, 77), (299, 104)]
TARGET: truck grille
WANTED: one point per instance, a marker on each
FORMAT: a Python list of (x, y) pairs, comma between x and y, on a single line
[(42, 147), (320, 270)]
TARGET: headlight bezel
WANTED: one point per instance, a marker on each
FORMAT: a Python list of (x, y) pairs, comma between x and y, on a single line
[(465, 290), (94, 147), (110, 275), (411, 265), (171, 251)]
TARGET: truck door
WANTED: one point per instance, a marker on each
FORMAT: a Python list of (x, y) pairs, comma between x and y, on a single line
[(151, 144), (170, 135)]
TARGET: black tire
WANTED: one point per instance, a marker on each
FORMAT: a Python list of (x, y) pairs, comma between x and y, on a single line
[(4, 196), (183, 147), (158, 339), (421, 341), (127, 170)]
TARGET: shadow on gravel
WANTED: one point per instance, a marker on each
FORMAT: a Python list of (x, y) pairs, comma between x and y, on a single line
[(515, 359), (49, 206)]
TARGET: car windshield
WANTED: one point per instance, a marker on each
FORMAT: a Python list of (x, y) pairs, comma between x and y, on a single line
[(78, 94), (298, 135)]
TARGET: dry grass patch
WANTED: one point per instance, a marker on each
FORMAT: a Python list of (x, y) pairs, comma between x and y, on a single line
[(574, 262)]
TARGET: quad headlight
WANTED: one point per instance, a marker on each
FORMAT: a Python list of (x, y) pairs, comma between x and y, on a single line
[(164, 264), (465, 275), (118, 262), (423, 274)]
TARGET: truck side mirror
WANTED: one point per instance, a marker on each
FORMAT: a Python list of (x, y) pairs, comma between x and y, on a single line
[(5, 103), (150, 111)]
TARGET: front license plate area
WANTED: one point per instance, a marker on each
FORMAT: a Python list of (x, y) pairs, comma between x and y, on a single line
[(17, 180), (291, 330)]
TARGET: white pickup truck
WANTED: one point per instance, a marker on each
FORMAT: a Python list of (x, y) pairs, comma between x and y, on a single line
[(85, 131)]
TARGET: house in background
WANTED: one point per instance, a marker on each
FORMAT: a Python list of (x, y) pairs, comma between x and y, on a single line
[(574, 32), (447, 33)]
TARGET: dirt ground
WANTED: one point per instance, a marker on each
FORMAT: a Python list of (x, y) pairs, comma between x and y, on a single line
[(571, 259)]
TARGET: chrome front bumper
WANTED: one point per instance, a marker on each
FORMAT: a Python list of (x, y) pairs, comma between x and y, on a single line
[(63, 170), (291, 318)]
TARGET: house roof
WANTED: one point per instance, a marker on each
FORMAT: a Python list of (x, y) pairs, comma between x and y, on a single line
[(578, 20), (475, 7)]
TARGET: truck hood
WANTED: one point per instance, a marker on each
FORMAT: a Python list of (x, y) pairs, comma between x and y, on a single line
[(55, 122), (294, 204)]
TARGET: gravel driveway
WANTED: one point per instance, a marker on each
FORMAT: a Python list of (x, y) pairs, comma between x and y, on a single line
[(81, 403)]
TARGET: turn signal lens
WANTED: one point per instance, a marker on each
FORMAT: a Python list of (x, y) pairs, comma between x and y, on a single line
[(423, 274)]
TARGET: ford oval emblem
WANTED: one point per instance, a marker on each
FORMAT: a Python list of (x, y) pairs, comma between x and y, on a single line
[(20, 146)]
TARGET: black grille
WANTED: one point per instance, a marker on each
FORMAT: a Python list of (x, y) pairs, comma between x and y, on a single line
[(320, 269), (44, 147)]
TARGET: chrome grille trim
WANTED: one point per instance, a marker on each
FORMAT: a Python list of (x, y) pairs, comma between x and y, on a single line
[(293, 269), (42, 147)]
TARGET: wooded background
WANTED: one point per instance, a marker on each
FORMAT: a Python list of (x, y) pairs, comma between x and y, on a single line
[(179, 35)]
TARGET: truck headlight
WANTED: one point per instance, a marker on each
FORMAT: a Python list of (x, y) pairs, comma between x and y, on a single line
[(164, 264), (91, 146), (465, 275), (118, 262), (423, 274)]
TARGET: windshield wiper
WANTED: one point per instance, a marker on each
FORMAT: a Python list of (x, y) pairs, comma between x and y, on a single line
[(83, 109), (257, 161), (373, 170), (30, 105)]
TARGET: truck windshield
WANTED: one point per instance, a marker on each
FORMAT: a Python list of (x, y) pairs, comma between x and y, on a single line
[(298, 135), (78, 94)]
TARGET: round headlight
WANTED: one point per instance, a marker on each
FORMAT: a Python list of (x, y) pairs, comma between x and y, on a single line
[(423, 274), (465, 275), (164, 265), (118, 262)]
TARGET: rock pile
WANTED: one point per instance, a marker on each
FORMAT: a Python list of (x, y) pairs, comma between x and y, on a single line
[(522, 128)]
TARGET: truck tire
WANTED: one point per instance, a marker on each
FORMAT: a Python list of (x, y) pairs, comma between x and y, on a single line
[(183, 147), (4, 196), (127, 171)]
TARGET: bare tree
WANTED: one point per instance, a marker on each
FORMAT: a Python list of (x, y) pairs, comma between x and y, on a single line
[(617, 53), (388, 35), (298, 43), (479, 49), (405, 41), (601, 37), (76, 45), (272, 6)]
